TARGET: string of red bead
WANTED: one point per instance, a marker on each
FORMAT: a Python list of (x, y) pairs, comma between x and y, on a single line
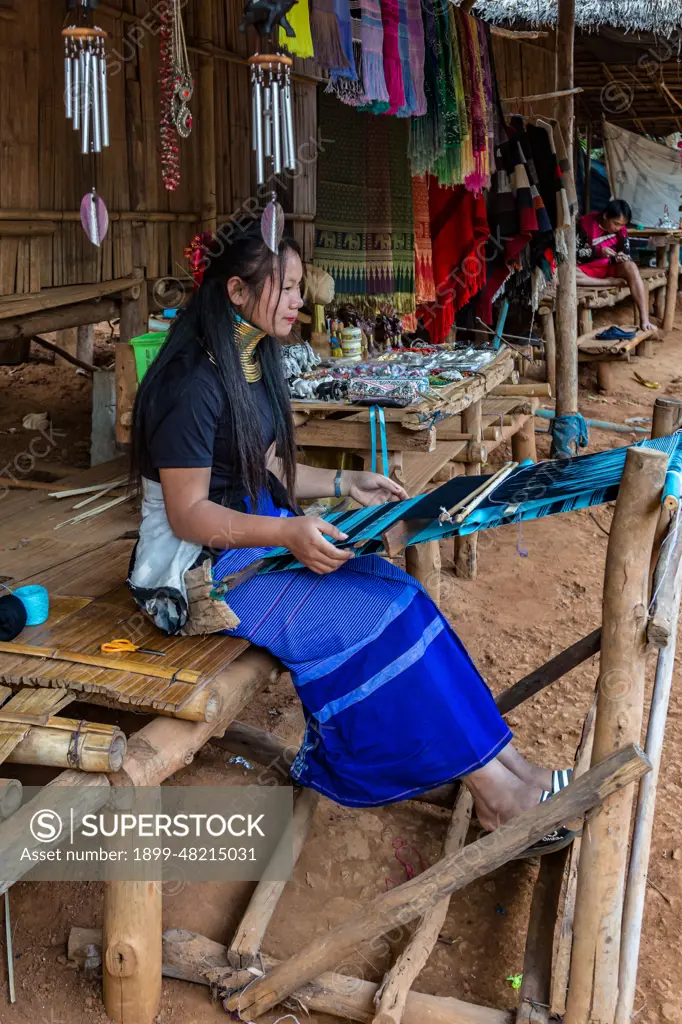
[(170, 159)]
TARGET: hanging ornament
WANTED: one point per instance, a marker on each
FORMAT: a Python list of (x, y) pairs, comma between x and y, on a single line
[(94, 217), (177, 86), (86, 99), (272, 113), (272, 224)]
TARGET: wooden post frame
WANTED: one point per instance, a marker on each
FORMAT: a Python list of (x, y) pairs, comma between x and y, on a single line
[(672, 287), (415, 898), (466, 548), (566, 298), (593, 986)]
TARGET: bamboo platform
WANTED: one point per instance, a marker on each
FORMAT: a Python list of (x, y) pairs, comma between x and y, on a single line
[(604, 353)]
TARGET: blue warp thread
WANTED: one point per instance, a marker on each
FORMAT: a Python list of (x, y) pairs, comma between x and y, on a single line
[(569, 434)]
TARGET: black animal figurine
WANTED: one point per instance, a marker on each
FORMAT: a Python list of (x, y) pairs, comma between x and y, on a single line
[(265, 14)]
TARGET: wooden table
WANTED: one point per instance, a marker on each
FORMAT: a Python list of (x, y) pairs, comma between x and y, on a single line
[(667, 243), (605, 353)]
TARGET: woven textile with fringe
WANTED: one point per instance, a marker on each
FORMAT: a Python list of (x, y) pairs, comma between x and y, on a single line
[(342, 12), (326, 34), (424, 285), (364, 227), (300, 45)]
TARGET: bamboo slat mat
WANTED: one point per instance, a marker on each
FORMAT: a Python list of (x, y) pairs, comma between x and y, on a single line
[(115, 615)]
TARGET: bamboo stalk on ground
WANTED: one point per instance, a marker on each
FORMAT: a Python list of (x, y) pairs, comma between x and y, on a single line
[(593, 984), (246, 944), (10, 797), (417, 897), (392, 996), (635, 891)]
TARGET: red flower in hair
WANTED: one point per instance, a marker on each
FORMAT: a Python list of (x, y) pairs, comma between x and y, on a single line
[(196, 255)]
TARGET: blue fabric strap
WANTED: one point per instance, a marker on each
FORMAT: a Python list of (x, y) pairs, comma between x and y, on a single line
[(569, 433), (374, 412)]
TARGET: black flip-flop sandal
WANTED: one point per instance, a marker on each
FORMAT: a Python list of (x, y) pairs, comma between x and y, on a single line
[(559, 837)]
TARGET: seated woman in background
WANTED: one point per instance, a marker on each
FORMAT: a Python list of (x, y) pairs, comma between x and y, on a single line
[(603, 250), (393, 704)]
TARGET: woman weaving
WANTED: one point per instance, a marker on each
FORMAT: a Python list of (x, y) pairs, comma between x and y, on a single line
[(393, 704)]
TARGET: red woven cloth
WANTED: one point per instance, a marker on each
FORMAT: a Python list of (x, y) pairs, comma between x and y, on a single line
[(424, 285), (459, 231), (393, 69)]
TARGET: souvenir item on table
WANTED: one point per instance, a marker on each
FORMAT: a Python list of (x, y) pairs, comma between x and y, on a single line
[(177, 86), (86, 99), (382, 392), (351, 342), (299, 359), (272, 113)]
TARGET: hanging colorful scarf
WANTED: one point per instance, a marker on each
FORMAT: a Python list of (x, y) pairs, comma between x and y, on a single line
[(450, 98), (489, 91), (459, 232), (300, 45), (415, 31), (425, 131), (424, 286), (364, 227), (475, 176), (393, 72), (326, 35), (342, 12), (372, 41), (410, 104)]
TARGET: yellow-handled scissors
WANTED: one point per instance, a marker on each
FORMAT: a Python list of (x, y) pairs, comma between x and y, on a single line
[(116, 646)]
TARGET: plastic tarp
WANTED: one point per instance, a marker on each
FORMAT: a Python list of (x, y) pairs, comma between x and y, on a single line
[(644, 173)]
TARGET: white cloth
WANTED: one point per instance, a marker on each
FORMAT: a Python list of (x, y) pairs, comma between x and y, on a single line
[(647, 175)]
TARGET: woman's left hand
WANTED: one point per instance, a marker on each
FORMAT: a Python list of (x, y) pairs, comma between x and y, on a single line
[(374, 489)]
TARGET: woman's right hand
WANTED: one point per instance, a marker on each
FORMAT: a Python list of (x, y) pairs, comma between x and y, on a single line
[(304, 537)]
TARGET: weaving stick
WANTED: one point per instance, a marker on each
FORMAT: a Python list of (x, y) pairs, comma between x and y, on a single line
[(493, 484), (177, 675), (484, 491)]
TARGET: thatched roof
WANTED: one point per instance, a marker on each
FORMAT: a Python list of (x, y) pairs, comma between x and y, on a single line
[(660, 16)]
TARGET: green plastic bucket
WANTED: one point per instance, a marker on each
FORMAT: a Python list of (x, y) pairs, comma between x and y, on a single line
[(146, 348)]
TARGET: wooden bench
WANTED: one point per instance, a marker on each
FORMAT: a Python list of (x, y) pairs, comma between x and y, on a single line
[(604, 353)]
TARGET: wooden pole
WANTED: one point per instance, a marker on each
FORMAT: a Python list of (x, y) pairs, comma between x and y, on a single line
[(423, 562), (635, 891), (566, 298), (667, 416), (466, 548), (661, 627), (134, 318), (535, 991), (593, 984), (536, 390), (64, 354), (661, 261), (588, 168), (85, 349), (392, 996), (188, 956), (415, 898), (246, 944), (546, 318), (206, 117), (672, 287), (10, 797), (57, 319), (523, 442), (72, 745)]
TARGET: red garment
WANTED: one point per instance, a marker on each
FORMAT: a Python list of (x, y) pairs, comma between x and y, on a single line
[(393, 69), (459, 232), (592, 239)]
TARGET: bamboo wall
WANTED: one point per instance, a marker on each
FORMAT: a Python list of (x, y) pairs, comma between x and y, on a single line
[(526, 68), (43, 174)]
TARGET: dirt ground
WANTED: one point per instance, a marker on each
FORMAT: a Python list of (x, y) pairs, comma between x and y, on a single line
[(537, 591)]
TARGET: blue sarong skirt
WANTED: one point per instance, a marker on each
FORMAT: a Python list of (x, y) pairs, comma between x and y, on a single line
[(393, 704)]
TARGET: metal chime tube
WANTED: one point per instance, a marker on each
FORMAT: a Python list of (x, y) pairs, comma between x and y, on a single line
[(276, 127), (76, 76), (290, 148), (267, 121), (87, 102), (258, 128), (68, 84), (96, 109), (104, 96)]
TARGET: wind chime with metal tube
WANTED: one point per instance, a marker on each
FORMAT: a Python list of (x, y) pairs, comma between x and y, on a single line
[(86, 103), (273, 119)]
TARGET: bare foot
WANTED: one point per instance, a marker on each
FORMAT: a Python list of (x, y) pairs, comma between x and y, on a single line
[(500, 809)]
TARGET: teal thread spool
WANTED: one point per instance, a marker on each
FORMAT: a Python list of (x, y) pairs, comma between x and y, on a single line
[(36, 601)]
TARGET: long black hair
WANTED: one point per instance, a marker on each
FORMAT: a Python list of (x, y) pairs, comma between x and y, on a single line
[(207, 324)]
